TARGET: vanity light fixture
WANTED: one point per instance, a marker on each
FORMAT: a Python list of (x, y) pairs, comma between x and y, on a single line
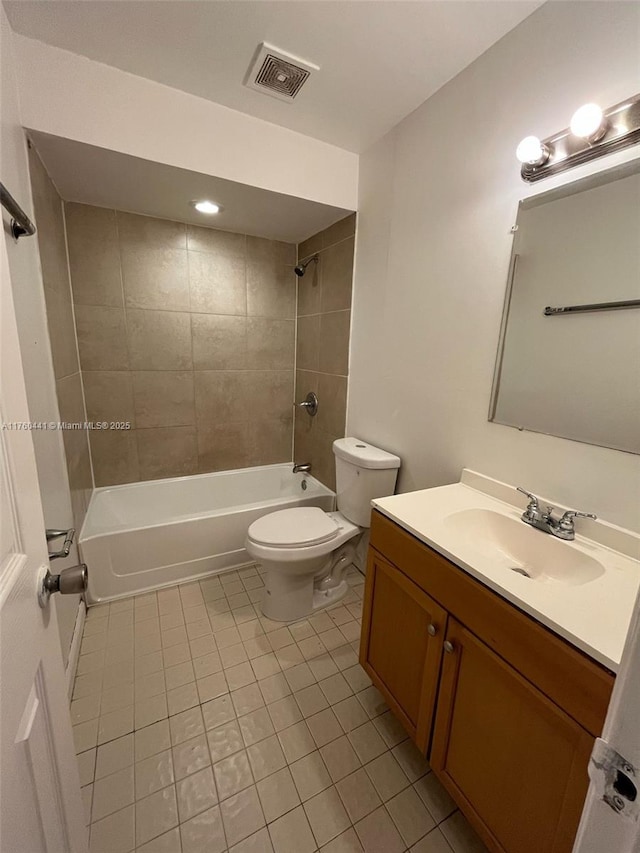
[(206, 206), (593, 133)]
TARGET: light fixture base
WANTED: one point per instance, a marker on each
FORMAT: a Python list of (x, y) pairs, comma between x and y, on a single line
[(620, 130)]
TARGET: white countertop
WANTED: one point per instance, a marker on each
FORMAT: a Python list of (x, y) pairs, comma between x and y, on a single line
[(594, 616)]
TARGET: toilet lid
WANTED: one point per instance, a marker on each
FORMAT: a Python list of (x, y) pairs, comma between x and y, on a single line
[(289, 528)]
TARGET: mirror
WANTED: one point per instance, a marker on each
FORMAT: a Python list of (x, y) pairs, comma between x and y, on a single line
[(574, 373)]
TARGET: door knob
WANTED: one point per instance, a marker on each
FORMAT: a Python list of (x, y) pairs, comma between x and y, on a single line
[(432, 630), (448, 647), (71, 581)]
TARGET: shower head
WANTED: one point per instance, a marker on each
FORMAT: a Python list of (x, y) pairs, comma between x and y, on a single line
[(301, 268)]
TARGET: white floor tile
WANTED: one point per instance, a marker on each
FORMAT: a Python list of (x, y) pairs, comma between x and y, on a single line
[(387, 776), (190, 756), (247, 699), (152, 739), (410, 816), (358, 795), (115, 725), (169, 842), (156, 815), (232, 775), (345, 843), (296, 741), (292, 834), (367, 742), (242, 816), (204, 833), (240, 722), (378, 834), (278, 794), (256, 726), (218, 711), (224, 740), (196, 793), (340, 758), (114, 756), (266, 757), (186, 725), (112, 793), (324, 727), (154, 773), (327, 815), (257, 843), (114, 834)]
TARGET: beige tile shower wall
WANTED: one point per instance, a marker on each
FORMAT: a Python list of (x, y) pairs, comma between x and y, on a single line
[(62, 336), (322, 358), (188, 334)]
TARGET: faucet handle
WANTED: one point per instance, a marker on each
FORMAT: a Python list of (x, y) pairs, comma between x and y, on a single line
[(533, 500), (566, 522), (533, 507)]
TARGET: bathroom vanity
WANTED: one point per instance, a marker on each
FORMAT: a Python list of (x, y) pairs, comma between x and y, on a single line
[(503, 698)]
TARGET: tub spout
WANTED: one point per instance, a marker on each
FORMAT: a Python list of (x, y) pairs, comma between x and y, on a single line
[(302, 468)]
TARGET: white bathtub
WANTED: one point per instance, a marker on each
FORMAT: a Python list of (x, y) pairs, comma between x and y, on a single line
[(146, 535)]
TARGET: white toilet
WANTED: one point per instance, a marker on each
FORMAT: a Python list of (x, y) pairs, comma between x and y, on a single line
[(306, 550)]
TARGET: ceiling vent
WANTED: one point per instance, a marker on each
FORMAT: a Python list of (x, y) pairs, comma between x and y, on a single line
[(278, 73)]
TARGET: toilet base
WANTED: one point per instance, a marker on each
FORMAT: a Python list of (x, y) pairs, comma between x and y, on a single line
[(288, 598)]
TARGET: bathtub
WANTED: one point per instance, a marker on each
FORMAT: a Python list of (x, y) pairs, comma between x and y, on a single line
[(146, 535)]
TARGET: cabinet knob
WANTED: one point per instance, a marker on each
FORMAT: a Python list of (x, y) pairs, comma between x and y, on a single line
[(448, 647), (432, 630)]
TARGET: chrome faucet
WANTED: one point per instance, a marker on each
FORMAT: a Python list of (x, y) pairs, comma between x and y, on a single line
[(302, 468), (562, 528)]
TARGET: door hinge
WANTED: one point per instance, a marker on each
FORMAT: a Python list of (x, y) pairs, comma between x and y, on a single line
[(615, 780)]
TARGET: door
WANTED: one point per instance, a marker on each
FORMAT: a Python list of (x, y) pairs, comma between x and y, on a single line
[(401, 645), (511, 758), (610, 820), (40, 802)]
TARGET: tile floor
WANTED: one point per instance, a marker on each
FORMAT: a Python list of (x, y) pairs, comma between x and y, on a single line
[(203, 727)]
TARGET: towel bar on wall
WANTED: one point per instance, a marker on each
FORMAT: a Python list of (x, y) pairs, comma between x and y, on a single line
[(594, 306), (21, 225)]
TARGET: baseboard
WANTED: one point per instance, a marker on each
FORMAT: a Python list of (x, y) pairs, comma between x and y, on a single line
[(74, 651)]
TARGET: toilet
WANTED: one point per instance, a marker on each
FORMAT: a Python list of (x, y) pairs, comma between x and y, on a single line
[(306, 550)]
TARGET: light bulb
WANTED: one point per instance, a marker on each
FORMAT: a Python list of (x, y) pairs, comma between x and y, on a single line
[(588, 123), (532, 152), (208, 207)]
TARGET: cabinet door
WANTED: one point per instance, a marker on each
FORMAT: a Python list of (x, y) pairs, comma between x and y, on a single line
[(513, 760), (401, 645)]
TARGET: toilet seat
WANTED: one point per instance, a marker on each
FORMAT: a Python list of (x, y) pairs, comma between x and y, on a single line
[(299, 527)]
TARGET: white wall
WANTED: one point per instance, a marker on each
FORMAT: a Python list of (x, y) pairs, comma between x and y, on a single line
[(71, 96), (28, 295), (437, 198)]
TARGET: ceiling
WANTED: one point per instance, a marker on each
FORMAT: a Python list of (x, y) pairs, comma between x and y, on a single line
[(105, 178), (379, 59)]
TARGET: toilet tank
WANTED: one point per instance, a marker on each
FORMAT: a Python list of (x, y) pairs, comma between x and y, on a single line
[(363, 472)]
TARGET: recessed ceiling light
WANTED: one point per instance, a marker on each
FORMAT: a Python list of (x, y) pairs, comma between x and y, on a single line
[(205, 206)]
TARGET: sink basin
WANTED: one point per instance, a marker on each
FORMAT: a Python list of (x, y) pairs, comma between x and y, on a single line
[(516, 547)]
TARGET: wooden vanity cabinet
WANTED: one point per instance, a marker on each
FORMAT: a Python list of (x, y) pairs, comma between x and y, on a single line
[(505, 710), (510, 757), (401, 635)]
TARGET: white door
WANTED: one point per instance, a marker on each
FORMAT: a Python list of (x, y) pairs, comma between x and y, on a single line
[(40, 802), (611, 818)]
